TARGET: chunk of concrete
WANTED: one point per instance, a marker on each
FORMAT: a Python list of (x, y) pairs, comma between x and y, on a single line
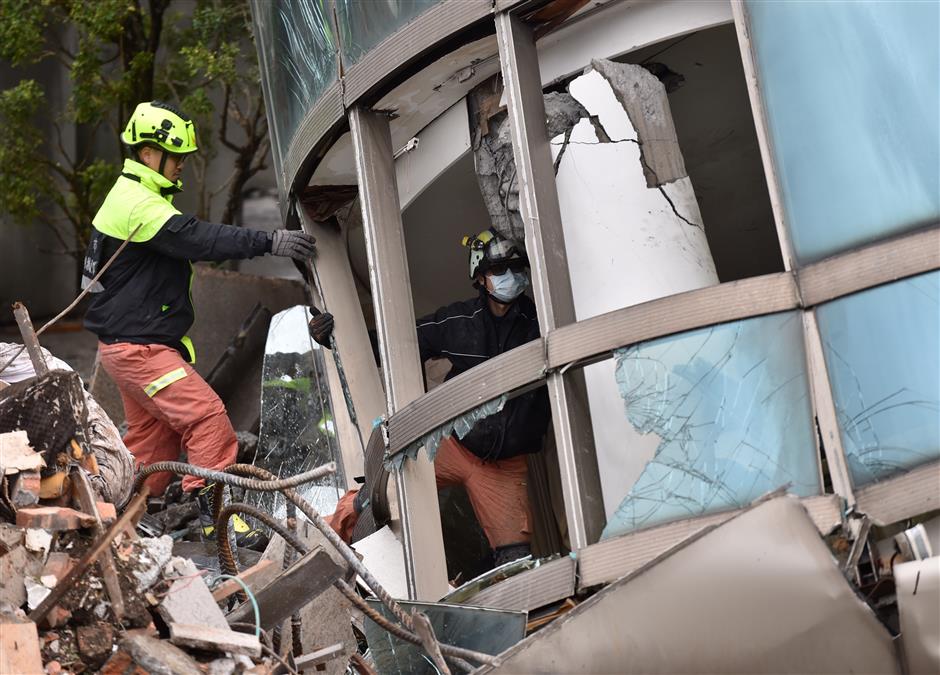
[(140, 654), (214, 640), (189, 600)]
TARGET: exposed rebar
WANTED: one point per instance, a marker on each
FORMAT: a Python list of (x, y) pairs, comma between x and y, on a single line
[(455, 654), (272, 484)]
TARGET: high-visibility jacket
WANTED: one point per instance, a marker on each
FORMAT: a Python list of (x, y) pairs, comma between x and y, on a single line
[(144, 296), (468, 333)]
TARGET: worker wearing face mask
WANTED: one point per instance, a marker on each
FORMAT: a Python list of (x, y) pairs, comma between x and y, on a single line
[(490, 460)]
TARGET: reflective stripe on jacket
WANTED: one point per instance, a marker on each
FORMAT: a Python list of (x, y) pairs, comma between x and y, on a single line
[(144, 297), (468, 334)]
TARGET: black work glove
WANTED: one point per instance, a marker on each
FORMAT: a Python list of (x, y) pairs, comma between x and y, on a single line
[(321, 326), (295, 244)]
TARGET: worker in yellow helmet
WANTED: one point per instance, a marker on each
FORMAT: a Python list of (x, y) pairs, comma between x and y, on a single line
[(142, 307)]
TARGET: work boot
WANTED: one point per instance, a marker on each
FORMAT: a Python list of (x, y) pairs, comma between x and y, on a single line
[(245, 536), (510, 552)]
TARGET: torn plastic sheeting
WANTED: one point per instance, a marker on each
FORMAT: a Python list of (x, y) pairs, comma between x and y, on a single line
[(460, 425), (918, 591), (731, 406), (759, 593)]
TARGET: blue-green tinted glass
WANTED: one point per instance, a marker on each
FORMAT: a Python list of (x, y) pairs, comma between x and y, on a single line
[(298, 45), (363, 25), (882, 349), (852, 92), (731, 409)]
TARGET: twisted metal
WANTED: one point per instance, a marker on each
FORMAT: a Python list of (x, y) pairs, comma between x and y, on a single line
[(272, 484), (455, 654), (330, 534)]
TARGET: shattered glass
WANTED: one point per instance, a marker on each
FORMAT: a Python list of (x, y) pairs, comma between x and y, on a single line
[(490, 631), (461, 425), (852, 105), (882, 350), (298, 47), (297, 431), (730, 406), (363, 25)]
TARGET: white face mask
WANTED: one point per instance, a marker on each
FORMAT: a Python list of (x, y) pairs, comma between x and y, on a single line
[(509, 285)]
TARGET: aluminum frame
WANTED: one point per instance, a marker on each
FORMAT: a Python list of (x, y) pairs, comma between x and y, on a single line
[(545, 244), (398, 344)]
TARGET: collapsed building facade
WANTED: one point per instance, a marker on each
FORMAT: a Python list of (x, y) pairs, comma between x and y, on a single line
[(731, 213)]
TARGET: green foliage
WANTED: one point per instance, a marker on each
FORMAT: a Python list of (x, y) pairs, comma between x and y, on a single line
[(118, 53), (21, 29), (21, 182)]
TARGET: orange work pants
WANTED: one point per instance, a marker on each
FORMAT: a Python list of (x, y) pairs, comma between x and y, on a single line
[(168, 407), (497, 492)]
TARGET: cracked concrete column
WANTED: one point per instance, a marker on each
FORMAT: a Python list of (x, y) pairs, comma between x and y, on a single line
[(633, 232), (632, 226)]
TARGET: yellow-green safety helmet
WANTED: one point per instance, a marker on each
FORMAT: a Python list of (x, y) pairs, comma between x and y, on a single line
[(163, 125), (491, 248)]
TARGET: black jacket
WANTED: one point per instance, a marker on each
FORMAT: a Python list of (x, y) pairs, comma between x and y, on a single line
[(468, 334), (144, 297)]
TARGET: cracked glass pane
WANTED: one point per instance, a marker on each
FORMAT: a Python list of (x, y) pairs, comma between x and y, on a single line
[(852, 107), (882, 350), (298, 48), (730, 408), (363, 25), (297, 429)]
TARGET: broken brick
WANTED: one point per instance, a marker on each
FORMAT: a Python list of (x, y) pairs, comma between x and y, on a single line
[(106, 511), (19, 646), (25, 490), (53, 518), (57, 616), (57, 565)]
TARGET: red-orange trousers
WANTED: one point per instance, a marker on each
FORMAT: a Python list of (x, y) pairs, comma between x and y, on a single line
[(497, 492), (168, 407)]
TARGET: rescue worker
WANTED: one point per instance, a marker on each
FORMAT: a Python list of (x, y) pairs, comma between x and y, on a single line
[(489, 462), (142, 308)]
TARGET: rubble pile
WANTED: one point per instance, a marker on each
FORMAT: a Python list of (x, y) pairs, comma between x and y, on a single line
[(61, 611)]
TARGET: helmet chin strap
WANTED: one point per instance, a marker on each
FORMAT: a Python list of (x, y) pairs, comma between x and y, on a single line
[(163, 156)]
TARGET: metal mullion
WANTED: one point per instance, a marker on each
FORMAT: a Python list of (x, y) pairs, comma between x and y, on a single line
[(824, 408), (550, 278), (771, 173), (398, 344)]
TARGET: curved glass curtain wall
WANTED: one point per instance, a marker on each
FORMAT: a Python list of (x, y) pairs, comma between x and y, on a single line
[(882, 350), (299, 49), (729, 406), (852, 103), (363, 25)]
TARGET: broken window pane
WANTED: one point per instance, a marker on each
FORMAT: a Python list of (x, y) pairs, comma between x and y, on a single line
[(730, 408), (364, 25), (297, 429), (298, 48), (852, 104), (882, 349)]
